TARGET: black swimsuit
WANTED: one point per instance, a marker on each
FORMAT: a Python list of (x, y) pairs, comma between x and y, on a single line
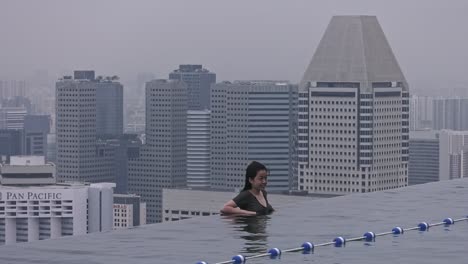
[(245, 200)]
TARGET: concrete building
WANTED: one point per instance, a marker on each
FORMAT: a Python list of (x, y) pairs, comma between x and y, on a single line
[(180, 204), (253, 120), (163, 157), (453, 155), (423, 157), (356, 116), (80, 157), (33, 207), (198, 148), (129, 211), (198, 82)]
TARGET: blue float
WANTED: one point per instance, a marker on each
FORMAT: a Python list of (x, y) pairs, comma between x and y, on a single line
[(308, 247), (274, 252), (397, 230), (339, 241), (369, 236), (448, 221), (423, 226), (238, 259)]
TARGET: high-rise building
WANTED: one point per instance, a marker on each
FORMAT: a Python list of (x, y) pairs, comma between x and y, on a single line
[(36, 129), (198, 148), (423, 157), (109, 109), (125, 148), (198, 82), (253, 120), (80, 157), (33, 207), (453, 155), (450, 113), (163, 157), (356, 116)]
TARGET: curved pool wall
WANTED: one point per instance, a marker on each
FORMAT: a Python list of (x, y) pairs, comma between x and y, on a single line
[(215, 239)]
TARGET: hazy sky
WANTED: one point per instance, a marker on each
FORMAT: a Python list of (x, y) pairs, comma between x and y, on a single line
[(241, 39)]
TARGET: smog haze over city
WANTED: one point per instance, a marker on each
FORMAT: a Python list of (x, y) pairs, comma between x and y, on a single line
[(239, 40)]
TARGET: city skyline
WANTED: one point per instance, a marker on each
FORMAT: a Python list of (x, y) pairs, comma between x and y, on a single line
[(147, 43)]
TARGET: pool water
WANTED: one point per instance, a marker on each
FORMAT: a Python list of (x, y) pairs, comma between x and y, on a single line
[(216, 238)]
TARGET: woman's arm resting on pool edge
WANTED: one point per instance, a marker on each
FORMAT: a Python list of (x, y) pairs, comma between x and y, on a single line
[(232, 208)]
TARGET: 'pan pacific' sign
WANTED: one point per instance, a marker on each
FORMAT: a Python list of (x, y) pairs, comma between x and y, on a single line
[(30, 196)]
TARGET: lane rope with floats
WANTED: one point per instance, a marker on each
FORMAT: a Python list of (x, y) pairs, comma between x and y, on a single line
[(308, 247)]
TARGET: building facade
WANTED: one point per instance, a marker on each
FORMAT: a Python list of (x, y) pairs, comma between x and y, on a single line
[(109, 109), (450, 113), (453, 155), (80, 157), (163, 158), (36, 129), (129, 211), (354, 112), (198, 82), (11, 144), (421, 112), (12, 117), (198, 148), (423, 157), (253, 120)]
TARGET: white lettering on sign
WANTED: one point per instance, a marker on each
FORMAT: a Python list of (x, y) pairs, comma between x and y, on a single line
[(32, 196)]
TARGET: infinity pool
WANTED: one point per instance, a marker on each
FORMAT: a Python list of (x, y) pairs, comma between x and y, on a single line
[(215, 239)]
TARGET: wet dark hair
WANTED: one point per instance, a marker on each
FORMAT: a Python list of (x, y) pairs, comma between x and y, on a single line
[(250, 173)]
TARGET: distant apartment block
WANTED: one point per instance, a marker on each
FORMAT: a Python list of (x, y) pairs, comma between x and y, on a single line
[(450, 113), (453, 155), (12, 88), (421, 112)]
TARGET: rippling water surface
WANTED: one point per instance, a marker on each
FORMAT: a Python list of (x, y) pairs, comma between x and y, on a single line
[(216, 239)]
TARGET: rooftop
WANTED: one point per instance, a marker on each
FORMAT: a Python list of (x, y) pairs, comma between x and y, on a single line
[(353, 49)]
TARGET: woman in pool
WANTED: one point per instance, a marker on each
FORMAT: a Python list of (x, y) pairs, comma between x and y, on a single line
[(252, 200)]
